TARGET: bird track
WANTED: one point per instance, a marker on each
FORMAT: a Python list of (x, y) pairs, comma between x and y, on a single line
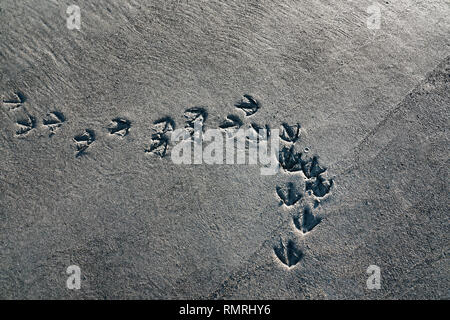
[(317, 185)]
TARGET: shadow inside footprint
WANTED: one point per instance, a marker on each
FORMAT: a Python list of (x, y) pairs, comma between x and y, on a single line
[(289, 198), (232, 122), (163, 125), (319, 186), (26, 125), (288, 254), (263, 133), (290, 133), (307, 221), (53, 121), (159, 145), (195, 115), (160, 138), (83, 141), (289, 159), (248, 104), (120, 127), (311, 167), (17, 98)]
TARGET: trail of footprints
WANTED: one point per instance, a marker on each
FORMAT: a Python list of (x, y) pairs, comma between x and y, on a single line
[(304, 203)]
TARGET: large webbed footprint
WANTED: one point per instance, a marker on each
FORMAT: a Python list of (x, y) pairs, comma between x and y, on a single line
[(196, 115), (289, 159), (290, 133), (25, 125), (307, 221), (15, 100), (262, 133), (83, 141), (53, 121), (232, 122), (288, 254), (120, 127), (248, 104), (320, 186), (231, 125), (160, 139), (311, 167), (289, 195)]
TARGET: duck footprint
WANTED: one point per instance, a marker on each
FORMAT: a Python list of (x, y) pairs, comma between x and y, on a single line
[(26, 125), (288, 195), (119, 127), (248, 104), (289, 254), (307, 221), (53, 121), (83, 141)]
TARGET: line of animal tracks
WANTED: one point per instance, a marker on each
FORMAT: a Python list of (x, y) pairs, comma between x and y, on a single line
[(301, 197)]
